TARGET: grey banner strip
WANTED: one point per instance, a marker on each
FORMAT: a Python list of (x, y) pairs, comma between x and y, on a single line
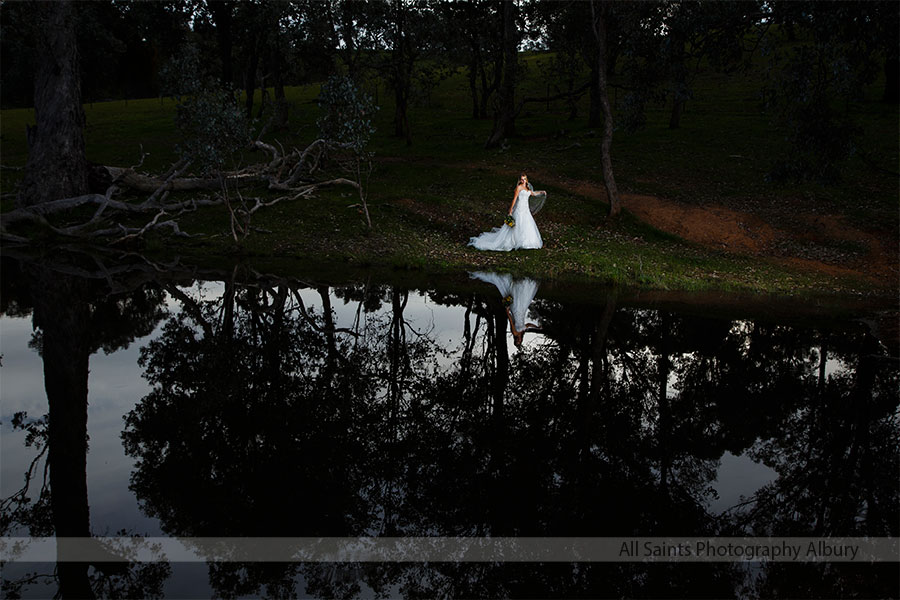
[(448, 549)]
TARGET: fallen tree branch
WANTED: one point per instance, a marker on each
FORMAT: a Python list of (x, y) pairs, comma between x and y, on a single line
[(164, 189), (276, 157), (48, 208), (145, 183), (120, 229), (319, 147), (141, 232), (228, 186)]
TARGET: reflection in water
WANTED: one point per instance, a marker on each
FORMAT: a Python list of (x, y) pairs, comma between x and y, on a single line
[(517, 296), (74, 318), (287, 409)]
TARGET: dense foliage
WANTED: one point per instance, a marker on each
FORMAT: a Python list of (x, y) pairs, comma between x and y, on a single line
[(818, 56), (212, 125), (346, 114)]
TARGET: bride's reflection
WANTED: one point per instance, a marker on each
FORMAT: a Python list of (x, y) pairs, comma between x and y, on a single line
[(279, 408), (517, 296)]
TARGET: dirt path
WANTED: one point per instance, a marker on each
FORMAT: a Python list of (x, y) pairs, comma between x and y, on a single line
[(824, 243)]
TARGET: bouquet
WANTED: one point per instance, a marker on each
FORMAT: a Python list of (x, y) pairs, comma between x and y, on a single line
[(507, 301), (510, 221)]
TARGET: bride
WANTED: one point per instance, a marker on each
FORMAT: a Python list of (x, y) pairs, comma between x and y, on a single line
[(520, 230)]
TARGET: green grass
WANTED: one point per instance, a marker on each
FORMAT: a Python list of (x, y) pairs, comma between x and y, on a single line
[(428, 199)]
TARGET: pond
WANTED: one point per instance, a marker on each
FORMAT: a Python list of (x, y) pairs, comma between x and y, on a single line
[(173, 402)]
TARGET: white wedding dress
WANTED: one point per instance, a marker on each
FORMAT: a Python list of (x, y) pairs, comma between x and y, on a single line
[(524, 235), (522, 291)]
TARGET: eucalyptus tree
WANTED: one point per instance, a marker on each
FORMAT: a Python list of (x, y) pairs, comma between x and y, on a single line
[(359, 26), (153, 32), (505, 108), (346, 126), (17, 53), (569, 44), (469, 33), (74, 317), (222, 16), (831, 441), (57, 166), (121, 46), (815, 82), (56, 176), (593, 30), (702, 32), (600, 21), (340, 397), (309, 28), (410, 28)]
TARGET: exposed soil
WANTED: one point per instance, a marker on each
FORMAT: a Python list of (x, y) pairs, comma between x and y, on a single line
[(825, 243), (791, 235)]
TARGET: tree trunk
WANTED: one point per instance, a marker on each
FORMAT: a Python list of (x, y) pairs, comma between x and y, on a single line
[(56, 167), (612, 56), (331, 350), (281, 105), (400, 120), (226, 328), (221, 13), (595, 110), (892, 78), (250, 78), (505, 119), (594, 354), (612, 193), (473, 88), (675, 118), (397, 350), (65, 322), (401, 56), (664, 425), (501, 375), (348, 34), (486, 91), (679, 77), (573, 104)]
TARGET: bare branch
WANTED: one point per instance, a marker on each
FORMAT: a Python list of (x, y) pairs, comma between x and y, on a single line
[(47, 208), (276, 156), (176, 170), (170, 224), (143, 183), (297, 163), (140, 162), (141, 232), (191, 307), (317, 146)]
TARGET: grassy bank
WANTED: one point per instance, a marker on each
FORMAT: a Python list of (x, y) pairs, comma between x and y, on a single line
[(426, 200)]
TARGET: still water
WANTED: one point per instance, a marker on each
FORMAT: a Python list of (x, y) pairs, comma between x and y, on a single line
[(164, 402)]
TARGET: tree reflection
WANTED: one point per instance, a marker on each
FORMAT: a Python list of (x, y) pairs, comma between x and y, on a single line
[(836, 456), (392, 442), (271, 416), (74, 317)]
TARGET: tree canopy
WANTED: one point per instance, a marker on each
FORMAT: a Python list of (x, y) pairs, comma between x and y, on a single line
[(817, 56)]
